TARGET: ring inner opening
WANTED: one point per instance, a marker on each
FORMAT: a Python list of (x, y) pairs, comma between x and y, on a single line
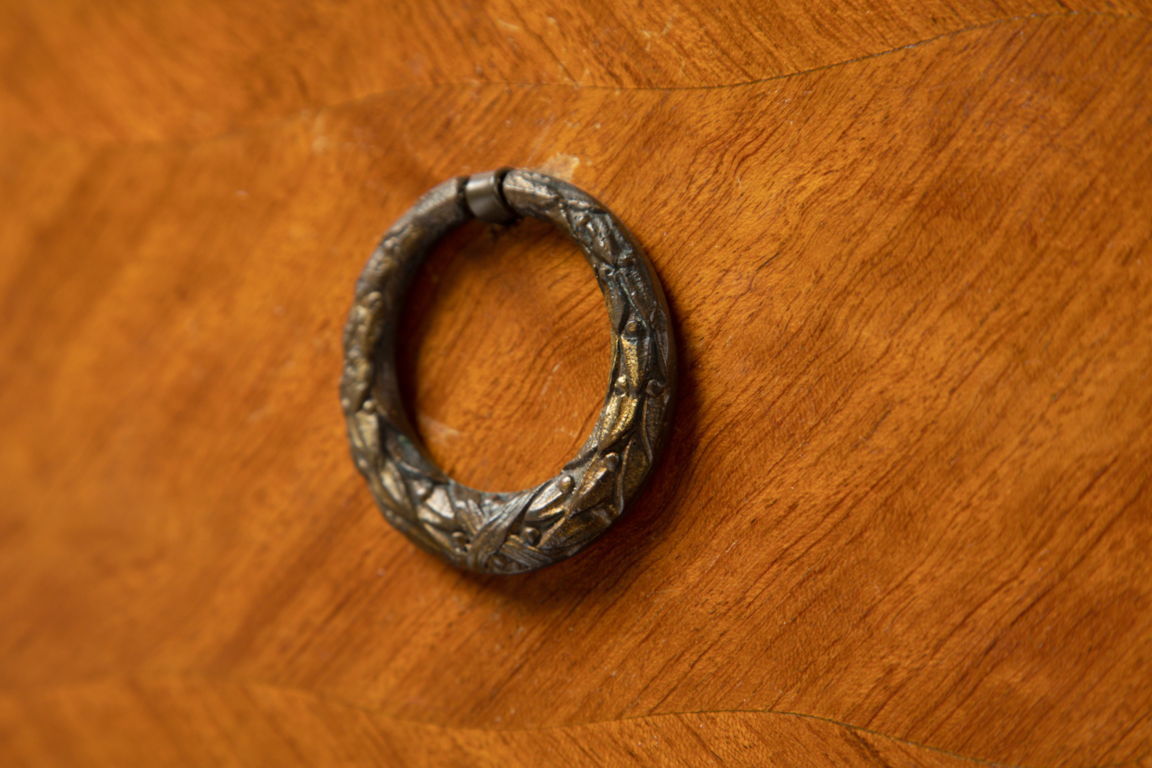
[(503, 354)]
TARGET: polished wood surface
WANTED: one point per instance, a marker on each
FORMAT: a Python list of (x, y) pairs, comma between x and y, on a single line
[(906, 514)]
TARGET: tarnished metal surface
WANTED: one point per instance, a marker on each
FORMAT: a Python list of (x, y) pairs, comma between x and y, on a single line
[(524, 530)]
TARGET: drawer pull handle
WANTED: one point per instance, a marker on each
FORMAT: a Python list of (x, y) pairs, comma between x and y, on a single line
[(523, 530)]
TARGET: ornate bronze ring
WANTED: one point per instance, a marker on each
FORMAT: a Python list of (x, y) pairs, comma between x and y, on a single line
[(522, 530)]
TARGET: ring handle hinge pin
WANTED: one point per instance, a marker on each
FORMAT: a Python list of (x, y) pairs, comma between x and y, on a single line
[(484, 197)]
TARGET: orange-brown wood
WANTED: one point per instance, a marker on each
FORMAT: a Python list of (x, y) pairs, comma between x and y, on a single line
[(906, 511)]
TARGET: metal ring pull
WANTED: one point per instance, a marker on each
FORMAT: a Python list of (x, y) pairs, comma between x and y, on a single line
[(529, 529)]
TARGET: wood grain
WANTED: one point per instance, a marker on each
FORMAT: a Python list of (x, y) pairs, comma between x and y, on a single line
[(135, 70), (906, 513), (224, 723)]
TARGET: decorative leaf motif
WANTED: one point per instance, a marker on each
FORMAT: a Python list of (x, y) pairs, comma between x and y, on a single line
[(510, 533)]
